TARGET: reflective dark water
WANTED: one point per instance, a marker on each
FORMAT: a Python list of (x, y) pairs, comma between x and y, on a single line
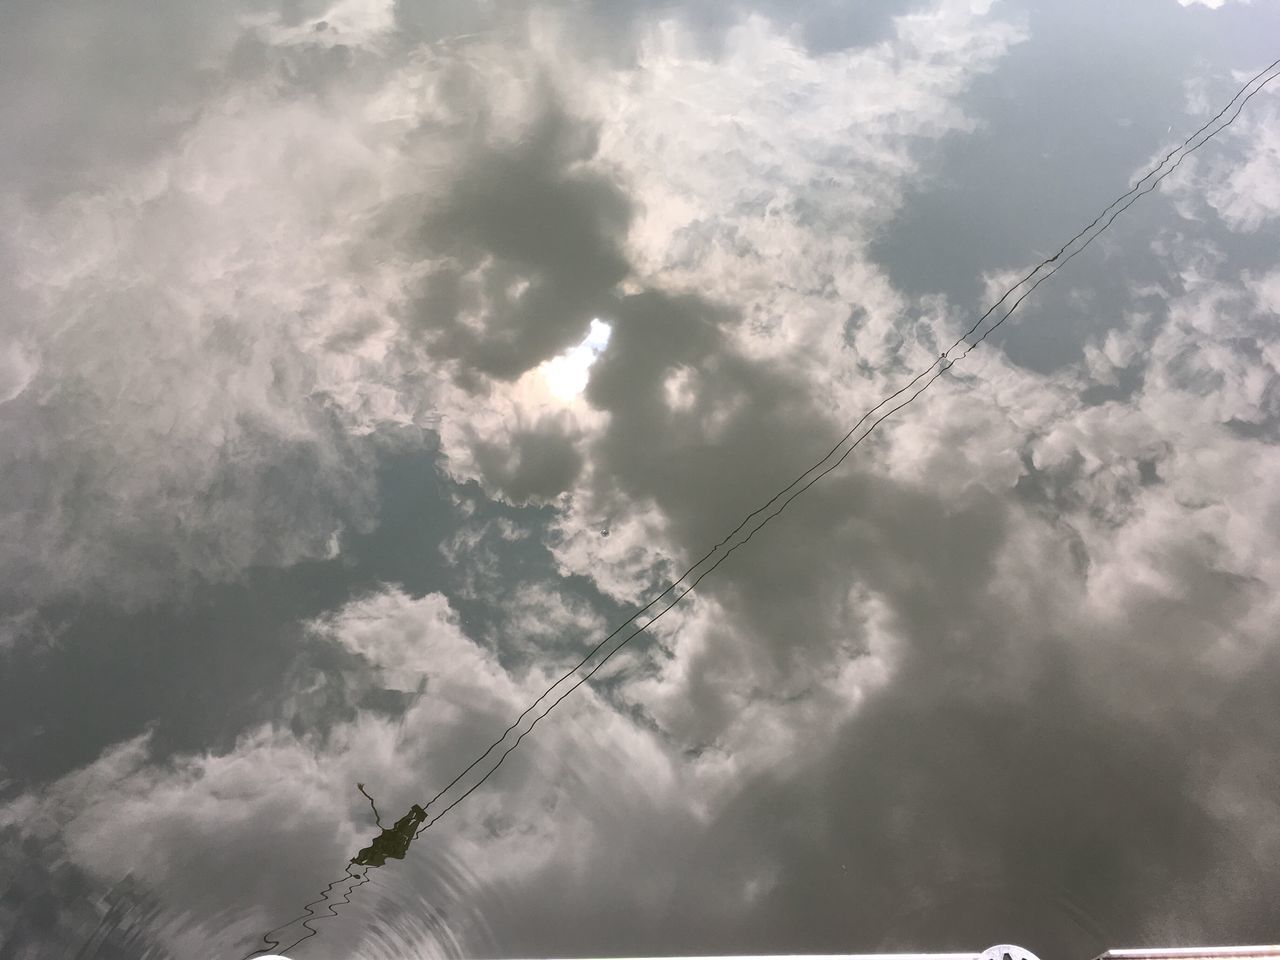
[(365, 364)]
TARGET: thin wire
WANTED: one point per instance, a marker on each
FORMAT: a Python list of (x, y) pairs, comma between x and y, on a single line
[(308, 915), (1123, 196), (1155, 183), (1131, 196), (932, 373), (675, 583), (587, 676)]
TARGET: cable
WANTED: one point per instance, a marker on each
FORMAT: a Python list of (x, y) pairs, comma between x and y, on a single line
[(1131, 196), (587, 676), (309, 914), (1120, 198), (928, 375), (1117, 213), (675, 583)]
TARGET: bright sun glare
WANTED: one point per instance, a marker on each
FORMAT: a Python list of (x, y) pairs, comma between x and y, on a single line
[(566, 375)]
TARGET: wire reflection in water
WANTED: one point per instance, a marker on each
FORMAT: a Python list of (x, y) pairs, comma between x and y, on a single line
[(404, 916)]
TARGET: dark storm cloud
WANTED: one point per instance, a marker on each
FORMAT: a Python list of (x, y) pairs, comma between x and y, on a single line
[(1040, 780), (1000, 786), (525, 248), (964, 805), (940, 819), (536, 464), (1051, 782), (741, 431), (533, 248)]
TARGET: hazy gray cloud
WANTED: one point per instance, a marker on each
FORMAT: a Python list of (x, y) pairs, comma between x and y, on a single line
[(90, 92), (186, 389), (530, 250), (1007, 674)]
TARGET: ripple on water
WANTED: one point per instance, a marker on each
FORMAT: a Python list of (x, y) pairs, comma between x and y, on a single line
[(428, 906)]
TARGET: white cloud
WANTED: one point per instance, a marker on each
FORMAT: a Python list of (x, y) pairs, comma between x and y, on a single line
[(1249, 195), (190, 363), (539, 620), (196, 831), (198, 353), (408, 640), (1003, 523), (17, 370), (1237, 181), (347, 22), (764, 171), (711, 691)]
